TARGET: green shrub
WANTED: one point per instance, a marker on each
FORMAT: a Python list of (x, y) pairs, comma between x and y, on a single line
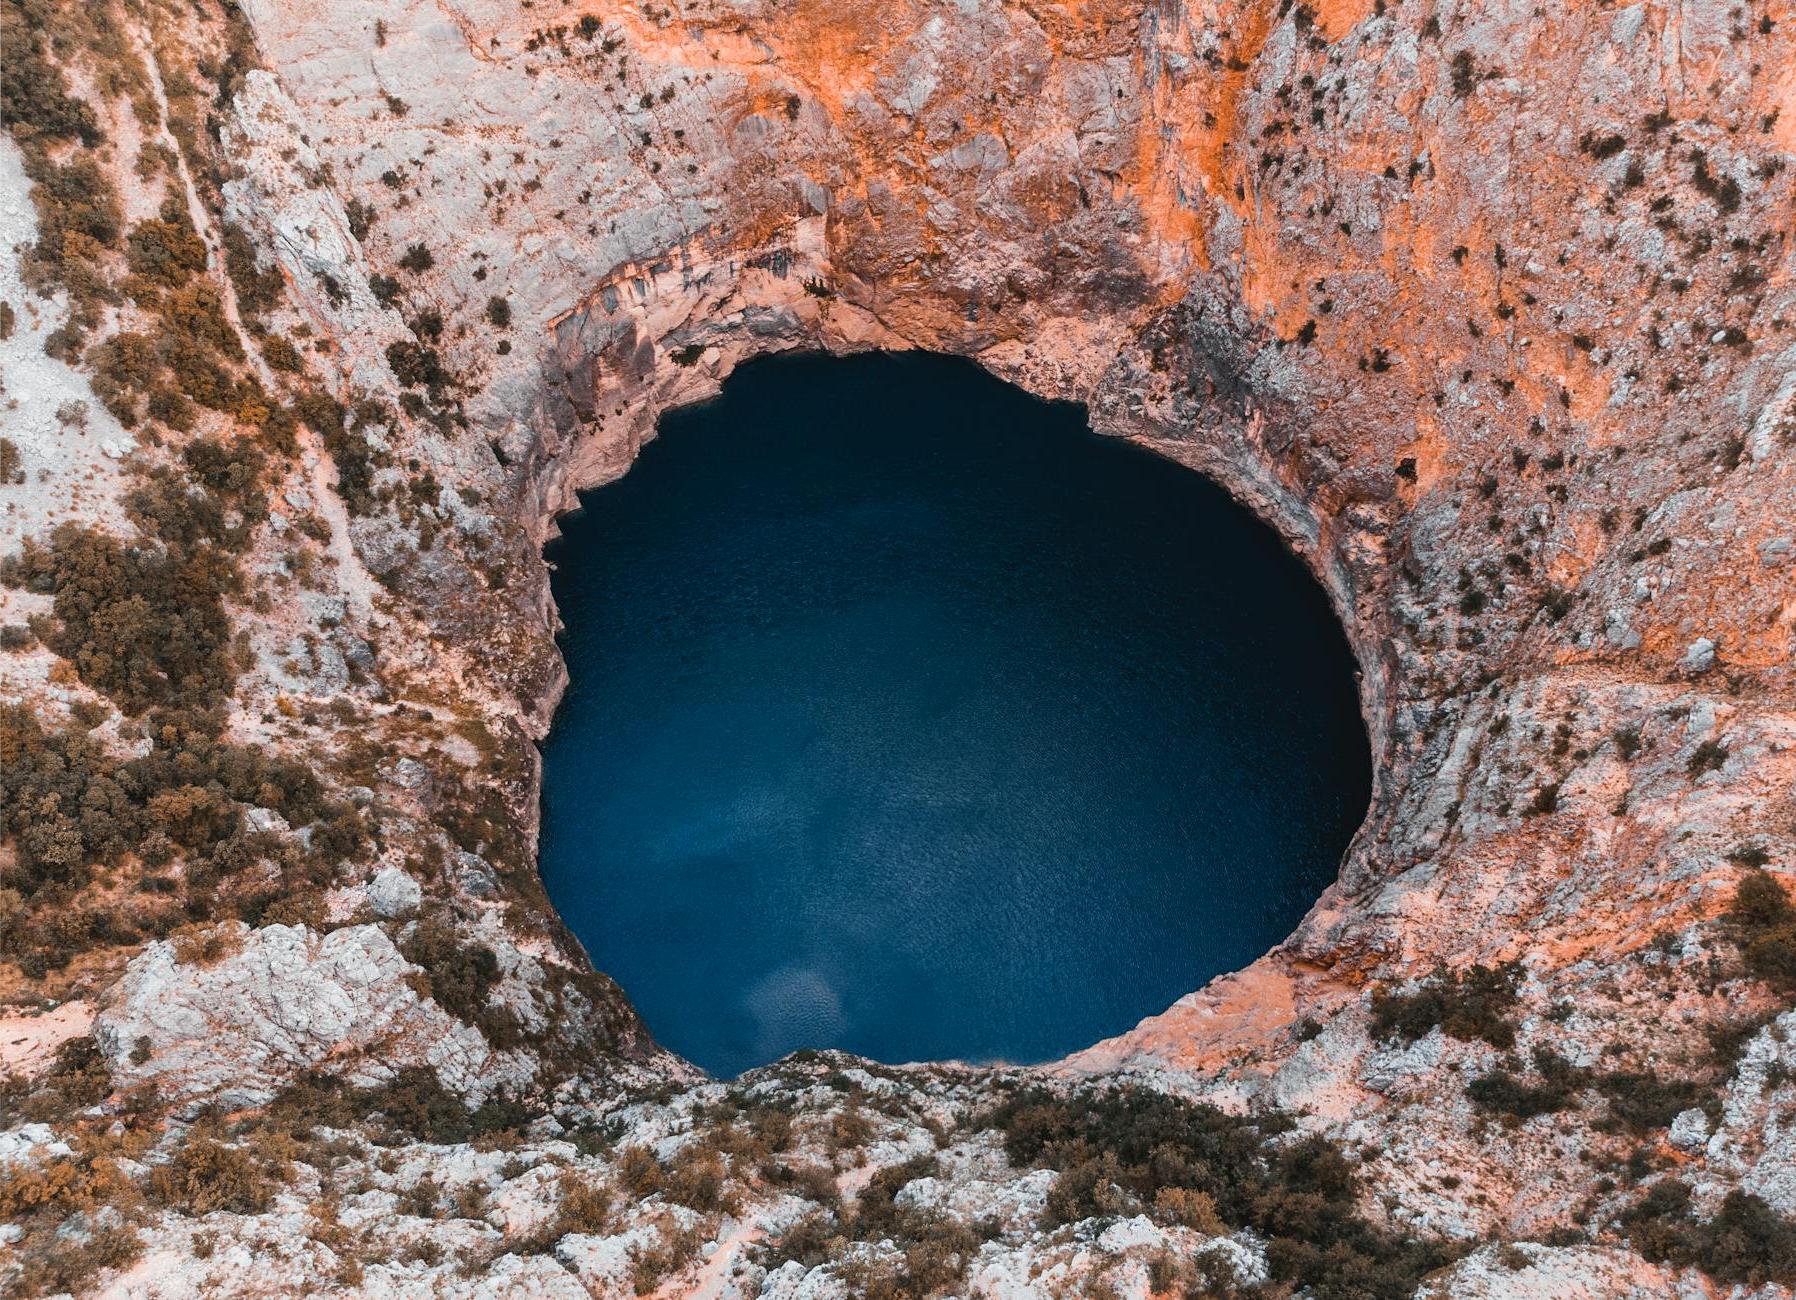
[(1728, 1039), (1090, 1189), (810, 1241), (77, 1078), (935, 1249), (34, 94), (165, 252), (1463, 75), (416, 1103), (78, 216), (698, 1179), (1301, 1196), (362, 217), (280, 354), (462, 976), (1706, 757), (193, 354), (1476, 1003), (651, 1265), (143, 625), (1745, 1243), (122, 368), (1503, 1093), (66, 805), (356, 458), (258, 291), (56, 1263), (1640, 1101), (416, 366), (584, 1206), (1762, 922)]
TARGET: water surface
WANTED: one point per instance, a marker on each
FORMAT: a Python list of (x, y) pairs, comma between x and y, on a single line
[(910, 717)]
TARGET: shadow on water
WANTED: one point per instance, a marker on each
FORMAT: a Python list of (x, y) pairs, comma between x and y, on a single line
[(908, 716)]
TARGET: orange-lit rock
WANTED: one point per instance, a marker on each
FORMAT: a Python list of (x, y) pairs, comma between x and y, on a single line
[(1489, 311)]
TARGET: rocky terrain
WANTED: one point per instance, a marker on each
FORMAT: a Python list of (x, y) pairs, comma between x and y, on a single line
[(314, 315)]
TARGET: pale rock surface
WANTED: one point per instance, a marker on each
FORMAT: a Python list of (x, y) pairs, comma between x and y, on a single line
[(394, 893), (287, 1001), (1755, 1140), (1534, 1272)]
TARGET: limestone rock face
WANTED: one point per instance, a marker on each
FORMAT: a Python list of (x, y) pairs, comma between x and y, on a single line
[(238, 1029), (1553, 1273), (392, 893), (1490, 311)]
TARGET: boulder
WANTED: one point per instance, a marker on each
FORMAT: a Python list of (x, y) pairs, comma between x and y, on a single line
[(392, 893)]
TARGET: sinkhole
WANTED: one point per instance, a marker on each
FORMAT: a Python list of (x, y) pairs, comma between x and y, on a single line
[(908, 716)]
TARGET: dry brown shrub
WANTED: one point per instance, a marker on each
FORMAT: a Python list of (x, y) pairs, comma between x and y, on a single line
[(206, 945), (206, 1175), (1188, 1206), (585, 1206)]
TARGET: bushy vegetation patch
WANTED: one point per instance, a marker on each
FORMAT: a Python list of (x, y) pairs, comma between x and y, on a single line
[(462, 975), (145, 625), (412, 1106), (1639, 1101), (52, 1262), (74, 1213), (78, 210), (76, 1077), (1745, 1242), (1122, 1150), (929, 1251), (1762, 921), (72, 811), (345, 434), (53, 1204), (1642, 1100), (206, 1175), (34, 93), (179, 353), (1503, 1093), (258, 289), (935, 1249), (144, 622), (191, 356), (164, 252), (1477, 1003)]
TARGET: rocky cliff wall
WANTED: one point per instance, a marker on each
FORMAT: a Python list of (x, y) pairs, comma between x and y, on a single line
[(1486, 309)]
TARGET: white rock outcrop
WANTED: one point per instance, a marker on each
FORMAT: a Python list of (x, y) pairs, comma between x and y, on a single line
[(392, 893), (286, 1001)]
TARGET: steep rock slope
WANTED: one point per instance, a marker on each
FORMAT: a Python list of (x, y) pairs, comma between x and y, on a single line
[(1487, 310)]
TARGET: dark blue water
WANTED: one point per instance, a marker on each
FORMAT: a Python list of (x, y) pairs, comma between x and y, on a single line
[(909, 717)]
